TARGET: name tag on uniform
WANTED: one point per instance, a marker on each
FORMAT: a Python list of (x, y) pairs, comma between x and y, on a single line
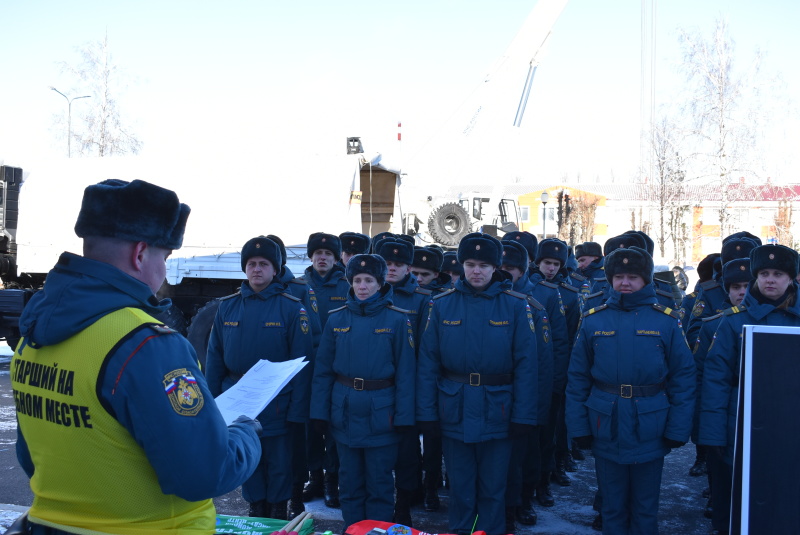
[(451, 323), (231, 324), (341, 329), (385, 330), (273, 324), (338, 298), (645, 332), (605, 333), (499, 323)]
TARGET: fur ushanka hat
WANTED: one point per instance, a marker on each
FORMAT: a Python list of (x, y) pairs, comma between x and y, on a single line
[(371, 264), (629, 260)]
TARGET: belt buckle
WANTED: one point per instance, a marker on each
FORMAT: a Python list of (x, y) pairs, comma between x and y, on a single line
[(626, 391), (358, 383), (474, 379)]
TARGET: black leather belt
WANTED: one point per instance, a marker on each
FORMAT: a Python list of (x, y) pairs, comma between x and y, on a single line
[(357, 383), (479, 379), (630, 391)]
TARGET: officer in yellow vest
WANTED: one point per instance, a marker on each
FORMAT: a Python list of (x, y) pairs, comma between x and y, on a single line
[(117, 429)]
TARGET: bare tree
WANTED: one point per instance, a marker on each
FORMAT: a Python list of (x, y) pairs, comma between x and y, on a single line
[(576, 215), (783, 223), (103, 132), (725, 118)]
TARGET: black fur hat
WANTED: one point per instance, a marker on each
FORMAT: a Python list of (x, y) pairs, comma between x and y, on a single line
[(134, 211), (553, 248), (428, 258), (705, 269), (281, 245), (378, 238), (451, 263), (481, 247), (320, 240), (772, 256), (742, 234), (371, 264), (649, 245), (395, 250), (527, 240), (262, 246), (515, 255), (737, 248), (623, 240), (629, 260), (354, 242), (406, 237), (588, 248), (737, 270)]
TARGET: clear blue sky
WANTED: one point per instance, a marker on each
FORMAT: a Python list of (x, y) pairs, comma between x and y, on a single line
[(252, 80)]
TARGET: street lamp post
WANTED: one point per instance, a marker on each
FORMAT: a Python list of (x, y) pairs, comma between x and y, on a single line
[(69, 118), (545, 197)]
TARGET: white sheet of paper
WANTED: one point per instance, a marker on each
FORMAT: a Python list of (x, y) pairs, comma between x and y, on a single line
[(260, 385)]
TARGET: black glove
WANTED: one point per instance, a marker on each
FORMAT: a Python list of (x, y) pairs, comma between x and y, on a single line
[(320, 426), (430, 429), (668, 442), (405, 429), (517, 430), (584, 443), (246, 421)]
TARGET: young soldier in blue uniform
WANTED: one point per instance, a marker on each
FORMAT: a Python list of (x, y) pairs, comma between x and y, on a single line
[(399, 254), (705, 272), (263, 321), (770, 300), (476, 379), (363, 389), (146, 446), (590, 259), (326, 277), (630, 392), (527, 462), (450, 266), (426, 267), (736, 277)]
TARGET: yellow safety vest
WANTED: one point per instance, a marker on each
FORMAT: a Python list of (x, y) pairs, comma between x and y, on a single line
[(90, 474)]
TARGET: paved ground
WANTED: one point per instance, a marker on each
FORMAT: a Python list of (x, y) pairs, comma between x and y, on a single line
[(680, 512)]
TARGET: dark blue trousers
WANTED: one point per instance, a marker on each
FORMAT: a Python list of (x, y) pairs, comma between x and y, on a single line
[(721, 476), (407, 468), (366, 486), (272, 480), (478, 474), (630, 496)]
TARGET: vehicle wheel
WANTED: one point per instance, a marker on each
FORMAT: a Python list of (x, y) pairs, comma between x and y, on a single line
[(200, 330), (173, 318), (449, 223)]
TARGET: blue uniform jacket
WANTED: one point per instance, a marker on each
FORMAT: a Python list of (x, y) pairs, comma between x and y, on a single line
[(687, 304), (330, 290), (720, 395), (547, 294), (700, 350), (544, 347), (594, 270), (408, 295), (489, 332), (631, 341), (249, 327), (79, 291), (369, 340), (298, 288), (711, 300)]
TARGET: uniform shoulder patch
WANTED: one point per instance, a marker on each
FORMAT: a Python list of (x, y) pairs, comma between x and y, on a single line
[(160, 328), (237, 294), (569, 287), (734, 310), (514, 293), (707, 285), (184, 395), (692, 295), (290, 296), (714, 317), (667, 310), (398, 309), (596, 294), (298, 280), (594, 310), (599, 279), (534, 303), (337, 309), (421, 290), (578, 277), (448, 292), (548, 284)]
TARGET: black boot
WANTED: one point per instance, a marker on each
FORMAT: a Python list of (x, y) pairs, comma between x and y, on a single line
[(560, 475), (543, 494), (314, 487), (332, 490), (259, 509), (577, 454), (708, 511), (569, 462), (511, 525), (431, 494), (526, 514), (279, 510), (402, 508), (296, 505), (597, 524), (698, 468)]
